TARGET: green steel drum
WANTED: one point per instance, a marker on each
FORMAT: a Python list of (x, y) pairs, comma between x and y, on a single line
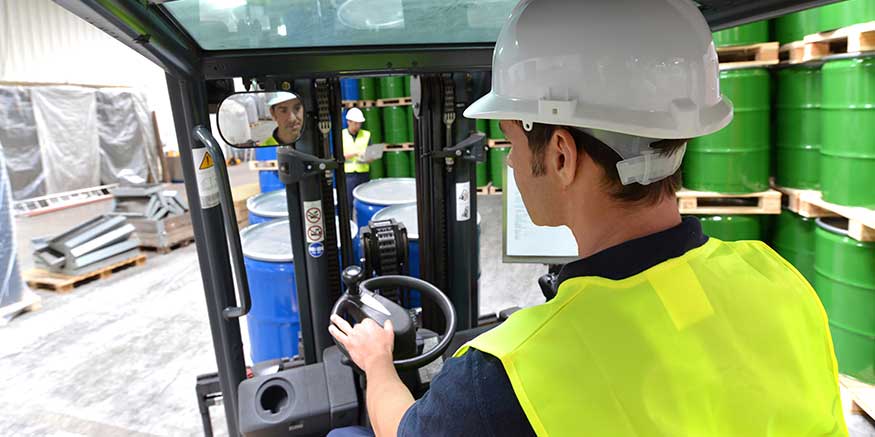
[(412, 164), (793, 238), (735, 159), (377, 169), (794, 27), (373, 124), (847, 160), (845, 282), (483, 126), (797, 133), (482, 174), (406, 86), (397, 163), (410, 131), (732, 227), (497, 158), (368, 88), (395, 125), (846, 13), (392, 87), (752, 33), (495, 132)]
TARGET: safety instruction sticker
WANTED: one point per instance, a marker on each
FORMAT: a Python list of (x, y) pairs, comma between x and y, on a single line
[(463, 201), (314, 225), (207, 182), (316, 249)]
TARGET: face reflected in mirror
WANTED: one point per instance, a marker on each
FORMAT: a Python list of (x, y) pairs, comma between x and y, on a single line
[(288, 113), (261, 119)]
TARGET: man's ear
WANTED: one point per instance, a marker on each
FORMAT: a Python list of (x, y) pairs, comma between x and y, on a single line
[(564, 159)]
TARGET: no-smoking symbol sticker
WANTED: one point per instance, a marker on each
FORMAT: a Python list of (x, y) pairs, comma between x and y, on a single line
[(314, 215), (314, 233)]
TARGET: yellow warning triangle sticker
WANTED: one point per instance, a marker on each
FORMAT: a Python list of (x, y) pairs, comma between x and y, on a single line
[(207, 161)]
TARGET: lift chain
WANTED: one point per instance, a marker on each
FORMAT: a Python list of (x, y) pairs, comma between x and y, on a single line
[(322, 105), (384, 244)]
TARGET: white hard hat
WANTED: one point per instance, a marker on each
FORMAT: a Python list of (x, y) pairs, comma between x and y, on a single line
[(641, 68), (355, 114), (279, 97)]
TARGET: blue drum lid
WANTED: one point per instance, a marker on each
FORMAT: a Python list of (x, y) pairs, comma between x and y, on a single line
[(387, 191), (272, 242), (272, 204)]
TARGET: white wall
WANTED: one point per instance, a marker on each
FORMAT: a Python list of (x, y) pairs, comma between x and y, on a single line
[(43, 42)]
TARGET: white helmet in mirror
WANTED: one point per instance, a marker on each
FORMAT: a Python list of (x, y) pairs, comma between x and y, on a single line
[(627, 72), (355, 114)]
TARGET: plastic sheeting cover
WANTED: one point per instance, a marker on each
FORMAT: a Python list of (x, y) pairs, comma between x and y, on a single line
[(18, 135), (233, 122), (11, 287), (127, 136), (66, 122), (250, 103)]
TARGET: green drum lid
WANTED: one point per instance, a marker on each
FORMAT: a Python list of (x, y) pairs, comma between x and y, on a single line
[(497, 160), (793, 238), (732, 227), (794, 27), (855, 352), (846, 13), (392, 87), (397, 163), (377, 170), (752, 33), (495, 132), (482, 174), (373, 124), (395, 125), (845, 278), (368, 88)]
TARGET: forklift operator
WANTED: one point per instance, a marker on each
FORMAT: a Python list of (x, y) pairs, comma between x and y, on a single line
[(288, 113), (657, 330)]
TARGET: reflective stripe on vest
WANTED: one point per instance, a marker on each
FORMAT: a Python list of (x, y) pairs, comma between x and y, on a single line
[(355, 145), (726, 340)]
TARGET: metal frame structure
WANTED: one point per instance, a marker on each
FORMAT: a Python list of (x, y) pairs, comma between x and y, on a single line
[(146, 27)]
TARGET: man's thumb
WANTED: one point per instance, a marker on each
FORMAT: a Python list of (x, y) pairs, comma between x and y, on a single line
[(387, 325)]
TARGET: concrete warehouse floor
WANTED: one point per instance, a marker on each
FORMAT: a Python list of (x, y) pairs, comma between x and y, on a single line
[(119, 357)]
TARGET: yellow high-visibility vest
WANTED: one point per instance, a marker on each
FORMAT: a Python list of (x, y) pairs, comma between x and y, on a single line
[(356, 145), (726, 340)]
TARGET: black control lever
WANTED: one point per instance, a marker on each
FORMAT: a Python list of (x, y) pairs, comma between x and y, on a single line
[(472, 149), (295, 166)]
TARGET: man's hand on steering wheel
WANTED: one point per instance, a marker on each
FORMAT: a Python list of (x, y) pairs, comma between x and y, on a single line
[(368, 343)]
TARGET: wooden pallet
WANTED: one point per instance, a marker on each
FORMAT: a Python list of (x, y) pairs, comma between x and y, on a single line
[(30, 302), (862, 395), (263, 165), (703, 202), (810, 203), (164, 250), (498, 143), (398, 147), (489, 190), (852, 39), (399, 101), (348, 104), (753, 55), (39, 278)]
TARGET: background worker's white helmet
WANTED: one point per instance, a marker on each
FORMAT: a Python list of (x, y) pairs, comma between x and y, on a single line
[(355, 114), (645, 68)]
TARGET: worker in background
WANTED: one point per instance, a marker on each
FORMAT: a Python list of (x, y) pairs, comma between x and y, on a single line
[(355, 142), (657, 330), (287, 111)]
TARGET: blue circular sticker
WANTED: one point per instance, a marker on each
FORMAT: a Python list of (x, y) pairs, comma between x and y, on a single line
[(316, 250)]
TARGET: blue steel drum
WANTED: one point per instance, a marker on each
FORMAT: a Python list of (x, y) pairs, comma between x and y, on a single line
[(265, 153), (267, 206), (375, 195), (273, 320), (349, 89), (269, 180)]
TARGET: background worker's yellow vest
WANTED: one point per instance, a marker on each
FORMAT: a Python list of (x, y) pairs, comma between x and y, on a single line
[(357, 145), (726, 340)]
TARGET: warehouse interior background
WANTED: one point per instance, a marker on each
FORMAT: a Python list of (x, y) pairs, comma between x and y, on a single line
[(103, 323)]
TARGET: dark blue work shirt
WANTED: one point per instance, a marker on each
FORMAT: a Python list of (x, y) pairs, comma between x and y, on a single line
[(472, 395)]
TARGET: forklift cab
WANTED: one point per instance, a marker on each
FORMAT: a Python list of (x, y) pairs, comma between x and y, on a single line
[(304, 48)]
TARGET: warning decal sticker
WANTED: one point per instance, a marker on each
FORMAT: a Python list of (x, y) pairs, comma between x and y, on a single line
[(207, 182), (314, 226)]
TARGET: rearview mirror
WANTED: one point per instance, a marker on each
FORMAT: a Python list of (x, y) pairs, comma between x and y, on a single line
[(261, 119)]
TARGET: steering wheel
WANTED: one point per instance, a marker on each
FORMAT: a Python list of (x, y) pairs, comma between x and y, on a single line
[(361, 302)]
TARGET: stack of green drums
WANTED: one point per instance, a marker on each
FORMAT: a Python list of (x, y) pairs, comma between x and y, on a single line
[(732, 227), (497, 155), (752, 33), (398, 163), (735, 159), (798, 127), (395, 121), (847, 160), (846, 13), (483, 167), (392, 87), (845, 282), (368, 88), (794, 240)]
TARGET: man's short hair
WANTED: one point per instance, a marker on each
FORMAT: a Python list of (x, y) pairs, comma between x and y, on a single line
[(607, 159)]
